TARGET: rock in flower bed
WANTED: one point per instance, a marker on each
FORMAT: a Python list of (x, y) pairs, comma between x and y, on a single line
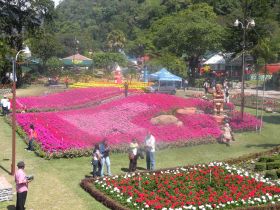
[(67, 99), (212, 186)]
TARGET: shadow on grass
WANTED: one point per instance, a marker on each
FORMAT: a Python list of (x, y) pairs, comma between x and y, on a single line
[(272, 119), (4, 169), (137, 168), (265, 146), (11, 207)]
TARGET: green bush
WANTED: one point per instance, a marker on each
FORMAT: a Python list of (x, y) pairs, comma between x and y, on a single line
[(266, 159), (271, 174), (260, 166), (278, 173), (273, 165)]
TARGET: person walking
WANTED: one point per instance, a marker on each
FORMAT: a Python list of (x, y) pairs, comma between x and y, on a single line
[(186, 84), (150, 146), (96, 161), (226, 96), (133, 150), (206, 86), (5, 104), (105, 152), (125, 89), (32, 137), (66, 80), (21, 186)]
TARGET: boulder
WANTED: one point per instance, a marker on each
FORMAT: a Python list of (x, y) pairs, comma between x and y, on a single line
[(187, 110), (166, 120)]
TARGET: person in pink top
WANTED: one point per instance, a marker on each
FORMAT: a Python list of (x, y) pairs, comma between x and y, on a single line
[(21, 186)]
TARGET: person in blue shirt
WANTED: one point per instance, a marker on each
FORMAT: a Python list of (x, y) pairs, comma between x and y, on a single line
[(105, 160)]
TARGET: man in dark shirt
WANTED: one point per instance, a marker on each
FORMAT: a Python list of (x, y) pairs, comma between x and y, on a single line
[(105, 152)]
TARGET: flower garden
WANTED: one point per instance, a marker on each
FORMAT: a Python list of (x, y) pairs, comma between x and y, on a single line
[(73, 132), (67, 99), (212, 186)]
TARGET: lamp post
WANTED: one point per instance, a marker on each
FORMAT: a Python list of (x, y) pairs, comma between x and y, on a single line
[(246, 24), (27, 53)]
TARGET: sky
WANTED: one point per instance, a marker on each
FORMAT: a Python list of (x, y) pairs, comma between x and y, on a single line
[(56, 2)]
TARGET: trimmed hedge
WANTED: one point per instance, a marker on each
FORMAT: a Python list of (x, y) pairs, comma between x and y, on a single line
[(260, 166), (271, 174), (273, 165)]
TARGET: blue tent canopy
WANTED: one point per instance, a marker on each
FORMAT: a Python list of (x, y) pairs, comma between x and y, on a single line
[(164, 75)]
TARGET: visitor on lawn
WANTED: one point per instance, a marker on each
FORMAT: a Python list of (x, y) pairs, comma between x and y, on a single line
[(133, 150), (32, 137), (125, 89), (96, 161), (105, 152), (5, 104), (21, 186), (150, 146)]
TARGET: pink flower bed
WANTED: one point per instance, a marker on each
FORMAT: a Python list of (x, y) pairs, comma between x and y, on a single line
[(119, 121), (70, 98), (249, 122)]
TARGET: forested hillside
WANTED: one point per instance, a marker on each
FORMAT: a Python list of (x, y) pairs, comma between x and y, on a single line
[(174, 33)]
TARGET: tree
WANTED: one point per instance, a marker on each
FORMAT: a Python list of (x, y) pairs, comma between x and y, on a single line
[(54, 65), (45, 47), (106, 60), (191, 32), (116, 40)]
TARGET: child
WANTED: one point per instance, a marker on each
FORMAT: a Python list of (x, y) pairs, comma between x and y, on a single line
[(96, 161), (32, 137)]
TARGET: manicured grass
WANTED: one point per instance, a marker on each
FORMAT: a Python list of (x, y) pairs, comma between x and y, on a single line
[(56, 183)]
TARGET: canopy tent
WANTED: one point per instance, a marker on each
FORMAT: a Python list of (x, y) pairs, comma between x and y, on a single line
[(77, 60), (271, 68), (164, 75)]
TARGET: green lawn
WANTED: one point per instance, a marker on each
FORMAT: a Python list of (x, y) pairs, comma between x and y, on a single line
[(56, 183)]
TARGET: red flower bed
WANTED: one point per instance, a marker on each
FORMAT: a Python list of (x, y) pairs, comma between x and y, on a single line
[(200, 187)]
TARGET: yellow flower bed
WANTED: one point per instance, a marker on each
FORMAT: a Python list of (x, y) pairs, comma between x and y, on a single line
[(132, 85)]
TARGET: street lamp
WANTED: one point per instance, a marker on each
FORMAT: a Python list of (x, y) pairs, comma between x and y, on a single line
[(27, 54), (247, 23)]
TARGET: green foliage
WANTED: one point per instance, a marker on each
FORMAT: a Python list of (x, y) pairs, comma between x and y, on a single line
[(116, 40), (54, 65), (260, 166), (107, 59), (176, 65), (273, 165), (271, 174)]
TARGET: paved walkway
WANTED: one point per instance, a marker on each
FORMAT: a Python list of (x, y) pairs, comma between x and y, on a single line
[(269, 93)]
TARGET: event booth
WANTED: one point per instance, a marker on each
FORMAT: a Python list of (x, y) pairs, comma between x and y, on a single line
[(164, 77)]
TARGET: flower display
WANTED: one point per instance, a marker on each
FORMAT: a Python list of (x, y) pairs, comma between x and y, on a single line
[(131, 85), (71, 98), (212, 186), (122, 119), (249, 122)]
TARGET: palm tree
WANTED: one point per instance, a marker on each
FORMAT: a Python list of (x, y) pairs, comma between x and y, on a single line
[(116, 40)]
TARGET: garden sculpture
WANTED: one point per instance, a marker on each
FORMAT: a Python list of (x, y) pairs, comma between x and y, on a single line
[(218, 99)]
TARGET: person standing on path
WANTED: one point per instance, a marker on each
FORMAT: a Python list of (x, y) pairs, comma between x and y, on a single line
[(105, 160), (5, 105), (133, 150), (125, 89), (21, 186), (96, 161), (150, 146)]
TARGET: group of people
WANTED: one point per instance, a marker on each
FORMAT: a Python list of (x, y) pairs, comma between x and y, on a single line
[(5, 105), (101, 155)]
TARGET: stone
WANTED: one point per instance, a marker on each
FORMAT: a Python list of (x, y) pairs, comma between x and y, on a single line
[(6, 190), (166, 120), (187, 110)]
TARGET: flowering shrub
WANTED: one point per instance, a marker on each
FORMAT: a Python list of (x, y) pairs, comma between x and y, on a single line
[(213, 186), (248, 122), (71, 98), (119, 121)]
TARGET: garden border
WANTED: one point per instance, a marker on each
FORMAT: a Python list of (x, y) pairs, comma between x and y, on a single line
[(87, 185)]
